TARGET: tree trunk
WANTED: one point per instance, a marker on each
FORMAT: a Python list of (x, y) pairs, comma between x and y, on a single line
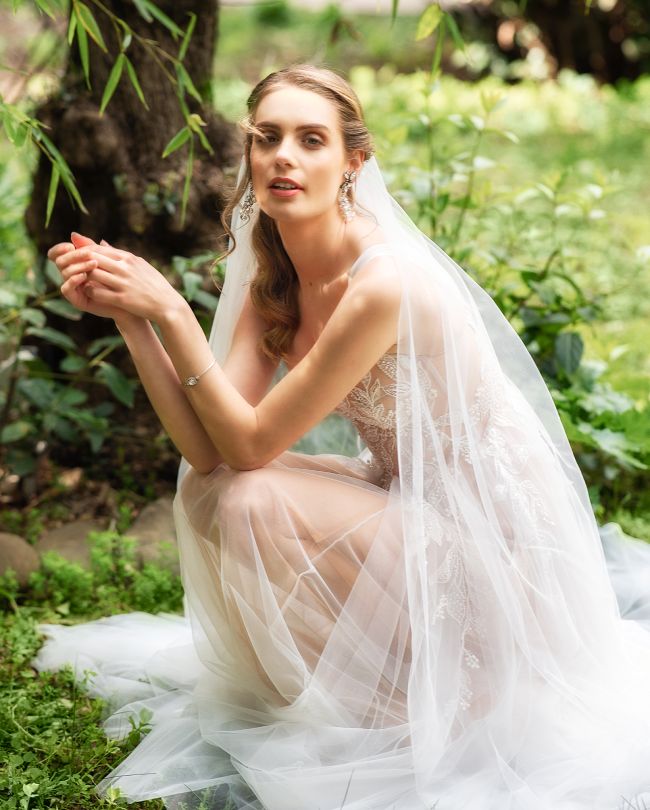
[(133, 195)]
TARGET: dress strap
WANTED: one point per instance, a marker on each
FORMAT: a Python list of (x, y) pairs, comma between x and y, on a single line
[(367, 254)]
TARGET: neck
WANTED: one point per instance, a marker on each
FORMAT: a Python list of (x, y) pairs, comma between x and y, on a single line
[(321, 250)]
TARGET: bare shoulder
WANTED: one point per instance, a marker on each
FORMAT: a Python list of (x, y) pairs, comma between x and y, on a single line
[(377, 282)]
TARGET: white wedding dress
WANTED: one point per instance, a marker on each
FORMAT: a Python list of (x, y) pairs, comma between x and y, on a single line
[(432, 623)]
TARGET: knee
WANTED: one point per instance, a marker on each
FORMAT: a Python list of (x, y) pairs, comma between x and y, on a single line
[(244, 493)]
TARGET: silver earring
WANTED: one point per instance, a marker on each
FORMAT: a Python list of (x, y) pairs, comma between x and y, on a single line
[(345, 206), (246, 204)]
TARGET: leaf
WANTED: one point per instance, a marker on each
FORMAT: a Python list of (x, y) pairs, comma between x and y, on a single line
[(51, 194), (177, 141), (87, 19), (15, 431), (568, 351), (185, 81), (113, 81), (134, 81), (437, 56), (72, 27), (393, 12), (455, 32), (110, 341), (47, 8), (122, 388), (82, 41), (63, 308), (34, 316), (52, 336), (188, 182), (141, 6), (73, 363), (429, 21), (154, 11), (182, 51)]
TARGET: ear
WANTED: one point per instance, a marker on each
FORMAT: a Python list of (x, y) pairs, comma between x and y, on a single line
[(356, 161)]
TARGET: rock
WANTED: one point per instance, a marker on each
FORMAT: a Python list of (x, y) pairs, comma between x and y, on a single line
[(16, 553), (71, 540), (155, 524)]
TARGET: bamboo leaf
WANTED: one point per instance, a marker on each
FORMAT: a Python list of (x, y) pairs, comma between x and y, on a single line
[(47, 8), (162, 18), (185, 81), (88, 21), (142, 10), (429, 21), (133, 76), (455, 31), (188, 36), (188, 181), (113, 81), (177, 141), (82, 41), (72, 26), (51, 194), (393, 13), (437, 54)]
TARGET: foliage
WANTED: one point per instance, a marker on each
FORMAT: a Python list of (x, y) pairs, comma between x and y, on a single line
[(52, 743)]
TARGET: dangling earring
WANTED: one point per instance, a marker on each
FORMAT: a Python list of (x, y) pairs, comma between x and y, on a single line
[(247, 203), (345, 206)]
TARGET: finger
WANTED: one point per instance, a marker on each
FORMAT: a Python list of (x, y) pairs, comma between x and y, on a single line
[(74, 257), (80, 268), (109, 263), (59, 249), (112, 252), (100, 295), (108, 280), (80, 240)]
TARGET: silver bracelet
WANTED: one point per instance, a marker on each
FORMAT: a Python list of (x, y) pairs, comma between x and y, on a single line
[(194, 378)]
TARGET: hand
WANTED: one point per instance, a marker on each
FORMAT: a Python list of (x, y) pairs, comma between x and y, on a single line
[(117, 279), (74, 258)]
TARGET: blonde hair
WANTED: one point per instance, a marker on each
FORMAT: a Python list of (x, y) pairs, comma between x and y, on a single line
[(274, 288)]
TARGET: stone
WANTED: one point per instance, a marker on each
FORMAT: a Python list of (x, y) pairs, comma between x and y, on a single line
[(16, 553), (71, 540), (153, 526)]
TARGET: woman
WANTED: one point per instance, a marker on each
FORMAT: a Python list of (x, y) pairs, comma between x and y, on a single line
[(429, 623)]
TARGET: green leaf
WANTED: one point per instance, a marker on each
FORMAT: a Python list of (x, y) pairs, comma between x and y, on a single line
[(113, 81), (393, 12), (110, 341), (63, 308), (52, 336), (47, 8), (182, 51), (133, 76), (53, 273), (51, 194), (141, 6), (73, 363), (188, 181), (177, 141), (429, 21), (122, 388), (35, 317), (437, 54), (455, 32), (169, 24), (15, 431), (88, 21), (185, 81), (82, 41), (568, 351), (72, 27)]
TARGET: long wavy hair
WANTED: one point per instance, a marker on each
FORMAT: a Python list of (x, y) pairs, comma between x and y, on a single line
[(274, 287)]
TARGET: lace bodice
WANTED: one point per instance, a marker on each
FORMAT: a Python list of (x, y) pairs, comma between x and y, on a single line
[(370, 406)]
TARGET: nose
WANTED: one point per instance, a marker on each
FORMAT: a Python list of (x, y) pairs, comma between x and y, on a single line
[(284, 152)]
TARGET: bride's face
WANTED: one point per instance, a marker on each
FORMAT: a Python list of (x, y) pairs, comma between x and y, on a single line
[(302, 142)]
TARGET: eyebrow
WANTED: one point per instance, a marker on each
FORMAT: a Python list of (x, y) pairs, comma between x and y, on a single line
[(271, 125)]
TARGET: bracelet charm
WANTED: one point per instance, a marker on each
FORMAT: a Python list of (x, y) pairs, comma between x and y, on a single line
[(194, 378)]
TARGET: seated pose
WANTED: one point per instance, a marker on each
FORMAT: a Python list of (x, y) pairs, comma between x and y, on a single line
[(429, 623)]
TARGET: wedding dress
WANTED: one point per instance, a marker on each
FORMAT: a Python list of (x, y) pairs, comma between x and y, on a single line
[(434, 621)]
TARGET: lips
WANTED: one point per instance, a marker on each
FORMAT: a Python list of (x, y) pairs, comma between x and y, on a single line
[(287, 180)]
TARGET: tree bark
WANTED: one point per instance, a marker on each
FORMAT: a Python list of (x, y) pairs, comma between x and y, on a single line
[(133, 195)]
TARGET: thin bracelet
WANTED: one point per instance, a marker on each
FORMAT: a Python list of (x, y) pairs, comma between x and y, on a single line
[(194, 378)]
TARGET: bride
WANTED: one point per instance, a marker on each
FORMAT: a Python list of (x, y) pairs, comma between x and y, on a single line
[(431, 622)]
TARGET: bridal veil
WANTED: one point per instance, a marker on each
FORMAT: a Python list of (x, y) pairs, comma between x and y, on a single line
[(452, 639)]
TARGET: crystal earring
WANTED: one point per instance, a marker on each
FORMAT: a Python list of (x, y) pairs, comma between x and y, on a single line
[(345, 206), (246, 204)]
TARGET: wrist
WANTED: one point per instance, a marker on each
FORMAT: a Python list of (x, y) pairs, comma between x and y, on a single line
[(127, 323), (174, 312)]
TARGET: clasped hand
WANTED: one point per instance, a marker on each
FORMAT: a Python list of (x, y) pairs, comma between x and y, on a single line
[(111, 283)]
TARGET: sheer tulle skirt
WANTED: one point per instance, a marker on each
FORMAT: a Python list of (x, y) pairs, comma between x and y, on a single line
[(286, 684)]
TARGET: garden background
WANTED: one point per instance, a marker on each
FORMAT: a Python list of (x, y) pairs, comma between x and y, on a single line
[(516, 134)]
